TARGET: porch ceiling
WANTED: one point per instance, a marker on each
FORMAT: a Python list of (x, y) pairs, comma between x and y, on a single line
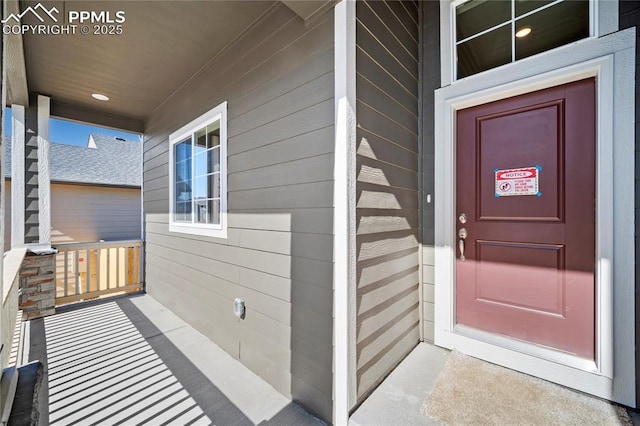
[(163, 44)]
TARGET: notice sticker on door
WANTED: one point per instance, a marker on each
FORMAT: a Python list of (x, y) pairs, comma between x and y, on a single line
[(511, 182)]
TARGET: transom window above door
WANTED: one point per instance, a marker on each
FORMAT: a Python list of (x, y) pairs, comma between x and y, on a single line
[(491, 33)]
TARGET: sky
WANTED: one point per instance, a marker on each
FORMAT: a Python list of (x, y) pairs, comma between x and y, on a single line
[(70, 133)]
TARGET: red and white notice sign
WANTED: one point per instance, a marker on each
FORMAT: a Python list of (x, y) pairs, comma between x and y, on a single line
[(522, 181)]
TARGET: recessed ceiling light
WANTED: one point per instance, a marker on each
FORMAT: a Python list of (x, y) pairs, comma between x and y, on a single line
[(523, 32), (100, 97)]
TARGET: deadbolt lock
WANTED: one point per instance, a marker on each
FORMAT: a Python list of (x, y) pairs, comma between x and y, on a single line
[(462, 218)]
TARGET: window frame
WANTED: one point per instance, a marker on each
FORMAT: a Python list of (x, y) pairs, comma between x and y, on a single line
[(603, 19), (218, 113)]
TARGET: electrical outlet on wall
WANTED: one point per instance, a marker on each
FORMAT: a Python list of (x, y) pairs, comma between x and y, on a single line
[(239, 308)]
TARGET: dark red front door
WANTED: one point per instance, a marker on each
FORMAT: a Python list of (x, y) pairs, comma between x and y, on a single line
[(526, 184)]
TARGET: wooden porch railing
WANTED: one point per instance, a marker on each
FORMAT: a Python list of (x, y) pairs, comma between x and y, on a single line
[(86, 271)]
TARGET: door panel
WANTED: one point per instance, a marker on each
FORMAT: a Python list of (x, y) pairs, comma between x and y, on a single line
[(517, 137), (529, 261), (521, 275)]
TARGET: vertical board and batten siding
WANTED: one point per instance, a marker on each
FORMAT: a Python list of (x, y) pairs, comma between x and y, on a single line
[(629, 16), (31, 181), (278, 81), (430, 82), (387, 55), (84, 213)]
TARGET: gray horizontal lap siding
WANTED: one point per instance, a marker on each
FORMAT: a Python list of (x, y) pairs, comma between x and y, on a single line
[(278, 81), (430, 82), (387, 55)]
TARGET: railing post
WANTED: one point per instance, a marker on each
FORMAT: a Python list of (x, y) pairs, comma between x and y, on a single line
[(118, 267), (108, 268), (66, 273), (88, 273), (98, 269), (76, 271)]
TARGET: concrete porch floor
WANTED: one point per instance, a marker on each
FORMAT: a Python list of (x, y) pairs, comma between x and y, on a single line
[(399, 398), (132, 361)]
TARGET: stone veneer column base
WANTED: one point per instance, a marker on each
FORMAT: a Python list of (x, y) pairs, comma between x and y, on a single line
[(37, 286)]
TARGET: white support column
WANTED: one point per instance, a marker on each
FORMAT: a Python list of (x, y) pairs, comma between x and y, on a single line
[(44, 184), (3, 193), (17, 176), (344, 280)]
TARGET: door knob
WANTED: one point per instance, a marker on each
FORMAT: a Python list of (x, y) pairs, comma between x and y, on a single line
[(462, 233)]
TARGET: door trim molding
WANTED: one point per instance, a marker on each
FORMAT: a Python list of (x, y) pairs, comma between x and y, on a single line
[(611, 60)]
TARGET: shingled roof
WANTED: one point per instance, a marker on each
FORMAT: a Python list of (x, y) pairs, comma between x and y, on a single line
[(106, 160)]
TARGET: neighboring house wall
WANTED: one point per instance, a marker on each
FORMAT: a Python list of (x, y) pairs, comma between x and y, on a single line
[(629, 16), (84, 213), (94, 213), (278, 81), (430, 47), (387, 39)]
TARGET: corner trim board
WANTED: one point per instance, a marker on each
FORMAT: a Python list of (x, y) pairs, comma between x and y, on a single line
[(15, 68), (17, 176), (44, 181), (344, 361)]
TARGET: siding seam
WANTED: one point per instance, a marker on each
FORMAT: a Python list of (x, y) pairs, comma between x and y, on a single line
[(402, 24), (408, 14), (410, 74), (392, 33), (387, 140), (295, 40), (237, 135), (367, 158), (388, 95), (282, 95), (383, 69), (386, 117), (241, 248), (248, 249), (239, 172)]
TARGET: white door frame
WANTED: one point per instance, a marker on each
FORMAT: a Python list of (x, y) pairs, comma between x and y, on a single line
[(611, 60)]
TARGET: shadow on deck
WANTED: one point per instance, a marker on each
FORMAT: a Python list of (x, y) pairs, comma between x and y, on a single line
[(110, 363)]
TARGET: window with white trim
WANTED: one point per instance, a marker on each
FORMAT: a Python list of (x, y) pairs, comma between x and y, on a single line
[(491, 33), (198, 175)]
